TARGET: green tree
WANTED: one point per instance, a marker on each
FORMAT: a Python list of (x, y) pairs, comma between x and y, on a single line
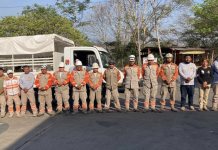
[(121, 52), (41, 20), (204, 25), (73, 9), (206, 17)]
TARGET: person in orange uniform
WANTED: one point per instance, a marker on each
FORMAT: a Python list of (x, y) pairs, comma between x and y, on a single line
[(169, 74), (150, 73), (61, 80), (95, 82), (43, 82), (79, 79), (131, 78)]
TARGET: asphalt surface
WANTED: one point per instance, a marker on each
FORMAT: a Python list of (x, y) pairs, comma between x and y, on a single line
[(3, 127), (119, 131), (125, 131)]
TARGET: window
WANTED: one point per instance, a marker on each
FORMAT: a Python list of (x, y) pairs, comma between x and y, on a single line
[(87, 57), (105, 57)]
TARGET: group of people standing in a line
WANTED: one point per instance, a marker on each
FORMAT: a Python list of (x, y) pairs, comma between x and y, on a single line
[(18, 91)]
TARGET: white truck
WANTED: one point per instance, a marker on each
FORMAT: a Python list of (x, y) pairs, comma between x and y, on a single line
[(50, 49), (88, 55), (33, 51)]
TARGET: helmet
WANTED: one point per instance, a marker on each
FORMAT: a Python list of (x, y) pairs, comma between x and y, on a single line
[(95, 65), (9, 71), (44, 66), (61, 65), (79, 63), (169, 55), (150, 57), (132, 58)]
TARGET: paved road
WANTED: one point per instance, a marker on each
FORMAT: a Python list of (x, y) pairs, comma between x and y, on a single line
[(182, 130), (189, 130)]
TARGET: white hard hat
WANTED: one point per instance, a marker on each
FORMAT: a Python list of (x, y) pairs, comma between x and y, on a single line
[(44, 66), (77, 60), (132, 58), (61, 64), (150, 57), (95, 65), (169, 55), (79, 63), (10, 71)]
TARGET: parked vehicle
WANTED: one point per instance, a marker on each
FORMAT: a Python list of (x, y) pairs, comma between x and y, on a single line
[(88, 55), (48, 49)]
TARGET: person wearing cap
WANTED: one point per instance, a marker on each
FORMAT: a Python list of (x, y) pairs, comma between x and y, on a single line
[(112, 76), (150, 73), (169, 74), (43, 82), (12, 93), (61, 80), (2, 96), (204, 76), (79, 79), (214, 69), (187, 72), (95, 82), (131, 79), (27, 80)]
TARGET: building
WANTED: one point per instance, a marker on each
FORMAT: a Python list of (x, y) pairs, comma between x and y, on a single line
[(197, 54)]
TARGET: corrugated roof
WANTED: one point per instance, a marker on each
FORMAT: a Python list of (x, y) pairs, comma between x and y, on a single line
[(189, 49)]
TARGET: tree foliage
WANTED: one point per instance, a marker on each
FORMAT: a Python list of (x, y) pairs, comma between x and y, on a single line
[(119, 21), (73, 9), (204, 25), (206, 17), (40, 20)]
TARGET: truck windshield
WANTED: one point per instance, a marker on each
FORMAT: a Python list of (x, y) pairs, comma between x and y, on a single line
[(105, 57)]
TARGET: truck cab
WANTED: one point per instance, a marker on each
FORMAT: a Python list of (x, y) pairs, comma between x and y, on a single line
[(88, 55)]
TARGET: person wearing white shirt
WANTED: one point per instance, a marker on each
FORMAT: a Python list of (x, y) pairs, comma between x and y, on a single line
[(27, 80), (187, 72)]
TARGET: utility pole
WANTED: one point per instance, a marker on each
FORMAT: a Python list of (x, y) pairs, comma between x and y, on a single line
[(138, 31), (157, 28)]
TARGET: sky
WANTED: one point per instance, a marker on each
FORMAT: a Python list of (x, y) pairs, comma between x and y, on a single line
[(14, 7)]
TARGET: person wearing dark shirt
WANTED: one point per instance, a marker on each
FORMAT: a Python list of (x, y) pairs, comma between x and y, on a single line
[(204, 76)]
